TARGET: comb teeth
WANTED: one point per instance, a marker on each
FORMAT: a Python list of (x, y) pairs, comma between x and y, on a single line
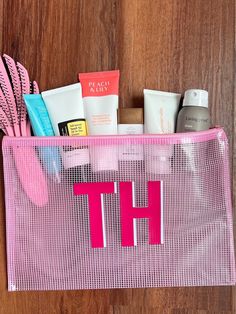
[(4, 120), (24, 77), (3, 128), (2, 124), (35, 87), (7, 90), (15, 82), (31, 87), (5, 107), (25, 87), (14, 116)]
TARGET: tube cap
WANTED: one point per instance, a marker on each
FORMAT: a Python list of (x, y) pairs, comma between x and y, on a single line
[(196, 97)]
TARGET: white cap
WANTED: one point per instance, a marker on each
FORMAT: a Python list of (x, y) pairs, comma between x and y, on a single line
[(196, 97)]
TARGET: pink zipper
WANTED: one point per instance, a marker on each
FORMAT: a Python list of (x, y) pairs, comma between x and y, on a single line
[(175, 138)]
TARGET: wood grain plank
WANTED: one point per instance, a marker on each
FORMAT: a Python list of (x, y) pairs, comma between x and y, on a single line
[(169, 45)]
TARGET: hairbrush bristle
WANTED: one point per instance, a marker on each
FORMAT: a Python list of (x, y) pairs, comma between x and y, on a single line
[(5, 107), (25, 88), (15, 78), (8, 92), (35, 88), (5, 123)]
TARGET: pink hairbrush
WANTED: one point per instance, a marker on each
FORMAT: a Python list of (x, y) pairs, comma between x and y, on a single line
[(5, 123), (25, 87), (9, 96), (13, 120)]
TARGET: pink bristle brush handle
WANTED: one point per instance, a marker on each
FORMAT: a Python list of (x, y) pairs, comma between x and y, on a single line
[(25, 88), (31, 175), (7, 90)]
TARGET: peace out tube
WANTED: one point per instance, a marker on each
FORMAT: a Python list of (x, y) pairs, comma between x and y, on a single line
[(66, 112), (100, 98), (41, 125)]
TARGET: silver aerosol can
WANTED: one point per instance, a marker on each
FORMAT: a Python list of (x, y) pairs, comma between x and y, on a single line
[(194, 116)]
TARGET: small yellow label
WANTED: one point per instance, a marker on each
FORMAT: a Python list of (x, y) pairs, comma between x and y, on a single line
[(77, 128)]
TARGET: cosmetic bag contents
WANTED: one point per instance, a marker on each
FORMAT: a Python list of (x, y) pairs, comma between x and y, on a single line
[(194, 116), (176, 228), (160, 113), (66, 111), (42, 126), (109, 197), (100, 97)]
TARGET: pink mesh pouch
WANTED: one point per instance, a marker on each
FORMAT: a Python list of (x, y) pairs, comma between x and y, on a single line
[(49, 242)]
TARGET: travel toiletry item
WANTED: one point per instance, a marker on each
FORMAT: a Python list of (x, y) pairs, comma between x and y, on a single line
[(194, 116), (100, 97), (160, 113), (38, 115), (130, 121), (131, 155), (42, 126), (66, 112), (13, 86)]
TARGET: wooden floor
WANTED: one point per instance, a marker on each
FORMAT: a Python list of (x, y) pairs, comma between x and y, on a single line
[(169, 45)]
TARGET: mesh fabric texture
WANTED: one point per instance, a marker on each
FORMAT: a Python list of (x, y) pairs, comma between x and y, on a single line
[(48, 247)]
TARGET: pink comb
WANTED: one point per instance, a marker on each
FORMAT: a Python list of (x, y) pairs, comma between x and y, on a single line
[(35, 87), (25, 86), (15, 83), (5, 123), (34, 185), (7, 90), (4, 106)]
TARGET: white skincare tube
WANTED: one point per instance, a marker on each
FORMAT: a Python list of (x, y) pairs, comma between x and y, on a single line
[(66, 112), (160, 114), (130, 123), (100, 97)]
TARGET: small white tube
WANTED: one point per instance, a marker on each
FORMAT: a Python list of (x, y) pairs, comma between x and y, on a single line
[(160, 114), (130, 122)]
